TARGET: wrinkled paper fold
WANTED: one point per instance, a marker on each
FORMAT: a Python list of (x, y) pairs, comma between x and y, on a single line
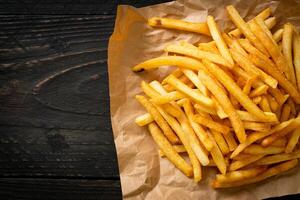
[(144, 175)]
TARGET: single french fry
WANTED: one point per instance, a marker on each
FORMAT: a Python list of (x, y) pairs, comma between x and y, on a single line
[(211, 124), (273, 171), (179, 61), (187, 49), (144, 119), (230, 141), (179, 25), (239, 72), (239, 175), (209, 46), (248, 85), (216, 35), (184, 138), (259, 91), (242, 156), (246, 116), (292, 124), (236, 46), (171, 110), (256, 149), (213, 164), (199, 98), (255, 126), (224, 101), (264, 104), (220, 141), (182, 78), (235, 90), (293, 140), (167, 98), (263, 35), (228, 40), (287, 39), (272, 159), (158, 87), (169, 151), (235, 165), (202, 109), (270, 22), (200, 132), (285, 113), (244, 28), (278, 111), (264, 15), (193, 140), (177, 148), (234, 102), (220, 111), (257, 99), (281, 142), (246, 64), (292, 105), (282, 81), (218, 158), (277, 36), (296, 58), (272, 102), (158, 119), (195, 80)]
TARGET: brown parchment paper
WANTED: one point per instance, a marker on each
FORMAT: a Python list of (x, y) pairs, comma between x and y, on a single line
[(143, 174)]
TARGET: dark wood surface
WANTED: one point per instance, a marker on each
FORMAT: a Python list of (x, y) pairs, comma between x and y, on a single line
[(55, 132)]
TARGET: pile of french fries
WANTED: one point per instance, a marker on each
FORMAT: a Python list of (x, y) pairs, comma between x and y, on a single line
[(231, 103)]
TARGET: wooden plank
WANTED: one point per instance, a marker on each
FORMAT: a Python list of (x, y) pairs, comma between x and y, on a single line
[(54, 114), (68, 6), (55, 189)]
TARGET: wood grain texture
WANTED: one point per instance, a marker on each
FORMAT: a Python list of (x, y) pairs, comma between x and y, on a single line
[(54, 114), (54, 189), (68, 6), (55, 132)]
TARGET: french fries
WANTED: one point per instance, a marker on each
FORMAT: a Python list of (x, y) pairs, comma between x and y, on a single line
[(158, 119), (199, 98), (231, 103), (192, 51), (204, 121), (296, 59), (212, 85), (272, 159), (287, 50), (239, 175), (291, 125), (216, 35), (256, 149), (177, 148), (179, 25), (168, 150), (277, 36), (272, 171), (244, 28), (293, 140), (235, 90), (264, 15)]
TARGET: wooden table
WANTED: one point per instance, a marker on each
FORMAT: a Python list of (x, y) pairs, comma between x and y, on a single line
[(55, 132)]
